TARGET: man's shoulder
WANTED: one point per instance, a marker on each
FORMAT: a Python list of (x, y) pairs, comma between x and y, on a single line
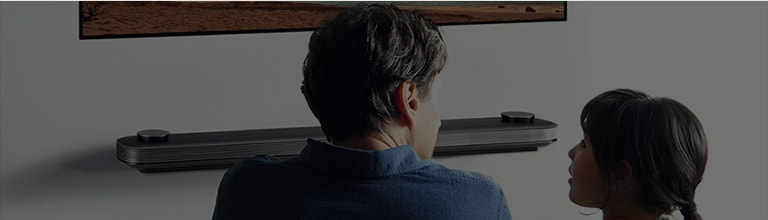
[(481, 196), (465, 177), (256, 165), (259, 160)]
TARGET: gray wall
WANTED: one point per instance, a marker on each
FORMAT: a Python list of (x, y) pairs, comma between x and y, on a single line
[(65, 101)]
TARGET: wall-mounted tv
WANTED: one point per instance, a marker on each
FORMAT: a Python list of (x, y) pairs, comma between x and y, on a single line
[(116, 19)]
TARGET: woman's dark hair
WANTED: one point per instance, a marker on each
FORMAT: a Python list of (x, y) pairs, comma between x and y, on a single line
[(660, 138), (358, 60)]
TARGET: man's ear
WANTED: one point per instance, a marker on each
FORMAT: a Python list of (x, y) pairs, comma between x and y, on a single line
[(407, 102)]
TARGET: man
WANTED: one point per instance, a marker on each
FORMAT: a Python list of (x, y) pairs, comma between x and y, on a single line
[(371, 77)]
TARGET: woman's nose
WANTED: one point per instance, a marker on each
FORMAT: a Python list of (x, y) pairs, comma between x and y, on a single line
[(570, 153)]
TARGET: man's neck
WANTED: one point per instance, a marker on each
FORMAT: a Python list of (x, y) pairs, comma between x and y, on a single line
[(379, 141)]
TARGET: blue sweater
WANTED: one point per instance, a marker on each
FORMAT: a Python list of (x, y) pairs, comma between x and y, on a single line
[(333, 182)]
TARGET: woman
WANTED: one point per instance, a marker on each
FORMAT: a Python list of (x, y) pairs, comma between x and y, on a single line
[(641, 157)]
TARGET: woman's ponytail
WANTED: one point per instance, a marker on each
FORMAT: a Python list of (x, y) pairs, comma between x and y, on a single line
[(689, 211)]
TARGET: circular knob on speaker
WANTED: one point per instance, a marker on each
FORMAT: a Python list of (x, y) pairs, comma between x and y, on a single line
[(152, 135), (518, 117)]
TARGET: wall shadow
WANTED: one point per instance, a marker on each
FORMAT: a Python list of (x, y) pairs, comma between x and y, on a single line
[(96, 173)]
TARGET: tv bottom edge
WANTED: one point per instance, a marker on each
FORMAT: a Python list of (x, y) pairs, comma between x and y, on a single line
[(439, 152)]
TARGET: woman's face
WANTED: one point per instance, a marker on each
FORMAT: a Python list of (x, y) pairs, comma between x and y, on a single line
[(586, 182)]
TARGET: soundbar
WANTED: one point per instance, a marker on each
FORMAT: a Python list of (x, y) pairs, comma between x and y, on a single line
[(161, 151)]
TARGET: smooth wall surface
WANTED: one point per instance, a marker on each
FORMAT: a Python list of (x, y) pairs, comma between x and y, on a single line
[(64, 102)]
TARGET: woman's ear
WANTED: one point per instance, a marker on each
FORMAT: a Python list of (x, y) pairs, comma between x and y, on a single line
[(407, 102), (623, 178)]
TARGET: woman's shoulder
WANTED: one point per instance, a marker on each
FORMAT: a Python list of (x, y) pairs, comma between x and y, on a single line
[(669, 217)]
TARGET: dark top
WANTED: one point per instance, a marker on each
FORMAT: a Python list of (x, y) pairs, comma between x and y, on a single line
[(332, 182)]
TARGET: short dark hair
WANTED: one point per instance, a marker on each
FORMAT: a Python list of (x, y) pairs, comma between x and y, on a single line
[(357, 61), (662, 140)]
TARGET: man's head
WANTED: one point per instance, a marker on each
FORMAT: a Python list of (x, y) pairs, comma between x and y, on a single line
[(372, 68)]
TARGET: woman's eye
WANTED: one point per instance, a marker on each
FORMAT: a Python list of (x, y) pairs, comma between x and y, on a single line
[(581, 144)]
